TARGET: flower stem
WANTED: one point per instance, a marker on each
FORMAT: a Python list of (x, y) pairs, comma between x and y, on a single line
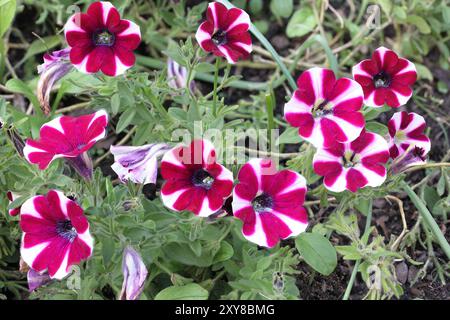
[(216, 77), (269, 48), (356, 267), (428, 218)]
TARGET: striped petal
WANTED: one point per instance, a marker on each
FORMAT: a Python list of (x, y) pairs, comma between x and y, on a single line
[(325, 109), (269, 203), (386, 79)]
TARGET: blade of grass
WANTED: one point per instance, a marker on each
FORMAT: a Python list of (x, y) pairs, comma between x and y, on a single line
[(428, 218)]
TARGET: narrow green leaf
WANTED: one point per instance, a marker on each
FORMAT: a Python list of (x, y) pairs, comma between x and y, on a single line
[(190, 291)]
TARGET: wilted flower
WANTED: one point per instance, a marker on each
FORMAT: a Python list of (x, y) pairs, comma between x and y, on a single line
[(413, 156), (194, 181), (269, 203), (324, 109), (406, 129), (134, 274), (36, 279), (56, 65), (70, 138), (55, 234), (138, 164), (225, 32), (16, 140), (385, 78), (353, 165), (100, 40), (177, 75), (11, 197)]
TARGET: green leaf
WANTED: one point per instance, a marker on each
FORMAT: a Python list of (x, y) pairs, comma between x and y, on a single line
[(108, 248), (42, 45), (317, 252), (225, 252), (423, 72), (377, 127), (190, 291), (256, 6), (18, 86), (282, 8), (7, 12), (349, 252), (363, 205), (125, 119), (302, 22), (420, 23), (290, 135)]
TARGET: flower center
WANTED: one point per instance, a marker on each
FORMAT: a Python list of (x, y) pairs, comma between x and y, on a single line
[(400, 136), (103, 38), (219, 38), (350, 159), (322, 108), (381, 80), (201, 178), (66, 230), (262, 203)]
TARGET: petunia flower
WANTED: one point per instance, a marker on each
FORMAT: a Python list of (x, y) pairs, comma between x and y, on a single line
[(177, 75), (385, 79), (138, 164), (413, 156), (56, 65), (101, 40), (354, 165), (225, 32), (70, 138), (406, 129), (36, 279), (324, 109), (269, 203), (194, 180), (55, 234), (134, 275), (11, 197)]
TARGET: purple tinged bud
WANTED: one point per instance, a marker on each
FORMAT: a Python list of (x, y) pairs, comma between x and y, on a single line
[(413, 156), (138, 164), (177, 76), (16, 140), (82, 165), (56, 65), (36, 280), (134, 275)]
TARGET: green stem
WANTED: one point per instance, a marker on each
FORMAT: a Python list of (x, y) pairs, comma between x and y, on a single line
[(356, 267), (428, 218), (216, 77), (269, 48)]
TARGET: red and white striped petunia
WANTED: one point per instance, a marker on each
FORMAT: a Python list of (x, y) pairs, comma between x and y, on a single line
[(354, 165), (66, 137), (385, 79), (406, 129), (11, 198), (225, 32), (194, 181), (269, 203), (55, 234), (101, 40), (326, 109)]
